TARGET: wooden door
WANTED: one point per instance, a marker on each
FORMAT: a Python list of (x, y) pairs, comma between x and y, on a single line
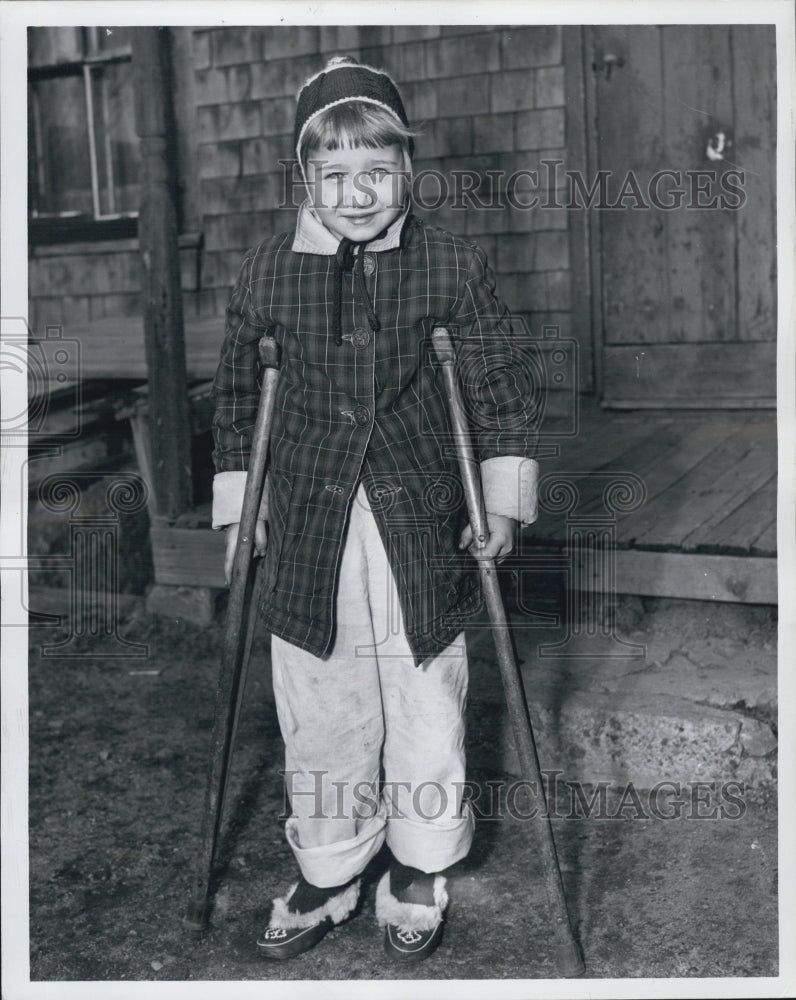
[(687, 293)]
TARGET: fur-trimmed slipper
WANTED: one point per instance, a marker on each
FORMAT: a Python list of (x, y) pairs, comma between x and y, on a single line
[(291, 932), (412, 930)]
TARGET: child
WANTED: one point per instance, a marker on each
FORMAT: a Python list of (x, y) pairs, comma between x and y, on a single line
[(365, 589)]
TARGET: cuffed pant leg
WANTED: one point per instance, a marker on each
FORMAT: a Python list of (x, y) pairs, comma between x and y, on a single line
[(331, 719), (428, 825)]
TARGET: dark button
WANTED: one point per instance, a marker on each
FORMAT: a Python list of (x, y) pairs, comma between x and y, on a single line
[(369, 263), (362, 415), (360, 337)]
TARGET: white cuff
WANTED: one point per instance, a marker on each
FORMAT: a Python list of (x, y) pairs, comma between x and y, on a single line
[(510, 485), (228, 489)]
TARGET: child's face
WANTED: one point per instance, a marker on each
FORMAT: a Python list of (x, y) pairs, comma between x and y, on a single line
[(357, 192)]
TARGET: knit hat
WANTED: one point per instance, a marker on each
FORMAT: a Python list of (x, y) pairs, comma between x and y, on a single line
[(342, 81)]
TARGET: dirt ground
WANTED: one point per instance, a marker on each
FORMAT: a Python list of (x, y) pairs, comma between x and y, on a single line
[(118, 764)]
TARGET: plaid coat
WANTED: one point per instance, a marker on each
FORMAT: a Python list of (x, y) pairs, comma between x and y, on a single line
[(371, 410)]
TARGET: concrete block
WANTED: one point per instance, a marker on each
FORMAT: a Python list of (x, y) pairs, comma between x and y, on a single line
[(291, 40), (698, 705), (540, 129), (512, 90), (549, 87), (230, 46), (220, 122), (196, 605), (219, 159), (493, 133), (463, 54), (463, 95), (537, 45)]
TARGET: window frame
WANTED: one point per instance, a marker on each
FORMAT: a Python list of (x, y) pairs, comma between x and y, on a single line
[(57, 228)]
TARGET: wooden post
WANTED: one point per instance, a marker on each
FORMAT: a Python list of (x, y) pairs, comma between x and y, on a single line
[(169, 424)]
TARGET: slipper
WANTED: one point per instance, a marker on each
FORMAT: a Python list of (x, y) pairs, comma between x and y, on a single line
[(412, 931), (289, 933)]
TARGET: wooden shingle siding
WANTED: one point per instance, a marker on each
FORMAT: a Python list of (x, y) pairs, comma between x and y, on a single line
[(487, 98)]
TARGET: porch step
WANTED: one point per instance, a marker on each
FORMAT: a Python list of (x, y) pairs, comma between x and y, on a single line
[(697, 703)]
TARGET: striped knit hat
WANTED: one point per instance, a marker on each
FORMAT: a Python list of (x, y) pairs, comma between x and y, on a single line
[(341, 81)]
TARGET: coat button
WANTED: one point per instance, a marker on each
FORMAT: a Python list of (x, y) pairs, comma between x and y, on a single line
[(362, 415), (369, 263), (360, 337)]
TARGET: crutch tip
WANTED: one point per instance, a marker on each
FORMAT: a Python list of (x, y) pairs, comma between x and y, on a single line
[(196, 918), (570, 959)]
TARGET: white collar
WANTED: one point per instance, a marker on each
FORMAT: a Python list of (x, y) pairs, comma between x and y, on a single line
[(313, 237)]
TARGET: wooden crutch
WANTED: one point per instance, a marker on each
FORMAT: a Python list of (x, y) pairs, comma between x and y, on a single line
[(568, 954), (239, 630)]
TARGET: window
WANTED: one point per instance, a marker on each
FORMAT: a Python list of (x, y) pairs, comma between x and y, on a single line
[(83, 160)]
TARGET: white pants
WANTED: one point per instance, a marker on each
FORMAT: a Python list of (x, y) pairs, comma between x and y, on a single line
[(364, 704)]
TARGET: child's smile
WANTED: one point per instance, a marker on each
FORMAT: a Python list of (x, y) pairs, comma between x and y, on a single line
[(357, 193)]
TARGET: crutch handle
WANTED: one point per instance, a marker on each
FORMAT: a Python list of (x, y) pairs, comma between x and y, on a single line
[(269, 352), (443, 345), (468, 465)]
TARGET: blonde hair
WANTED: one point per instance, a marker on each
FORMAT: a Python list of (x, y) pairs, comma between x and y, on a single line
[(353, 124)]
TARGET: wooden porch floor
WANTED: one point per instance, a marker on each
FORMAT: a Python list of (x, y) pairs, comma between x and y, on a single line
[(703, 522), (704, 526)]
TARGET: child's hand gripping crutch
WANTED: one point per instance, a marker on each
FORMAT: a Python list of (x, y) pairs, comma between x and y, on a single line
[(568, 954), (239, 629)]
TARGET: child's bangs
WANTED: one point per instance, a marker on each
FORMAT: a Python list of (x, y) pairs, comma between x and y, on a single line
[(354, 124)]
